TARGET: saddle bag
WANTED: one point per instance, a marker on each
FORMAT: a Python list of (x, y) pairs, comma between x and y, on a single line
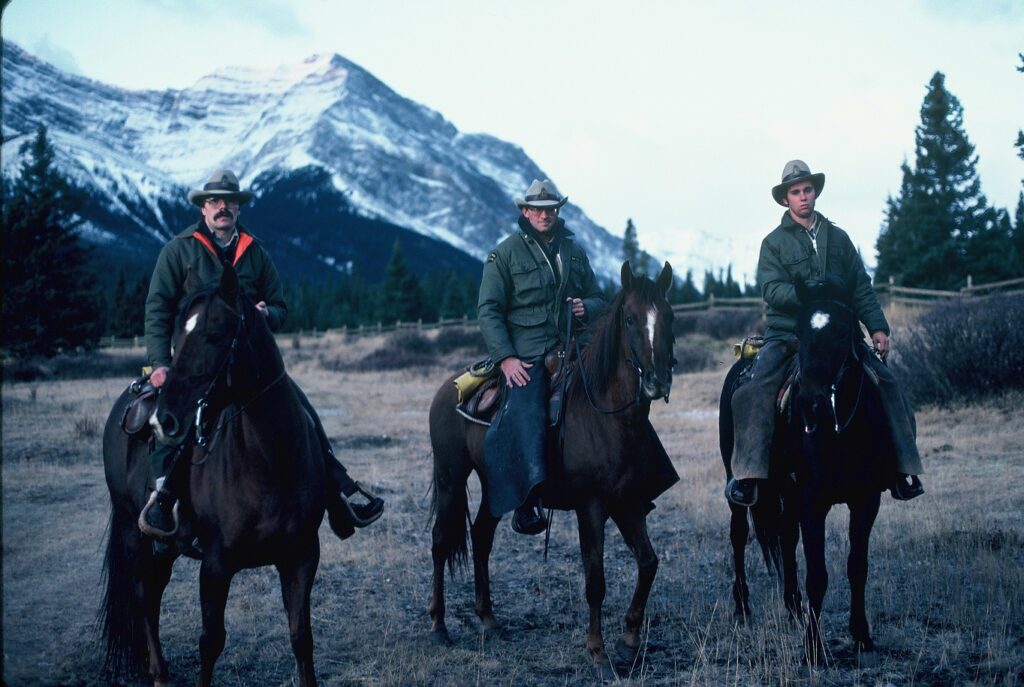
[(748, 348), (140, 408), (472, 378)]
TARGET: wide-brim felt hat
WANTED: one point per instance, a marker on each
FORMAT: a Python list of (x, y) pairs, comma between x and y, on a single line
[(794, 171), (222, 184), (541, 194)]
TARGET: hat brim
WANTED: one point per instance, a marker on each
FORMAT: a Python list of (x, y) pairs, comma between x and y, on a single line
[(198, 196), (521, 203), (779, 192)]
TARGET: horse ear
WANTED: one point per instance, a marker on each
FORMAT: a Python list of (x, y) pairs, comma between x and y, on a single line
[(192, 281), (627, 276), (229, 283), (664, 281)]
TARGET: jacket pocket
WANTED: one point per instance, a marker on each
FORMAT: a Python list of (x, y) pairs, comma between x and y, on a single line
[(527, 281), (796, 264)]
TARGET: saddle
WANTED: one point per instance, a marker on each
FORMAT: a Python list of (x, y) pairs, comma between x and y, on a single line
[(481, 391), (140, 408), (785, 394)]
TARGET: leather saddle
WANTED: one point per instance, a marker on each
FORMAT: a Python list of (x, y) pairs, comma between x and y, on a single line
[(140, 408), (482, 404)]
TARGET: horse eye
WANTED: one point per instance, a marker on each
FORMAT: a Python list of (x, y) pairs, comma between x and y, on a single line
[(630, 320)]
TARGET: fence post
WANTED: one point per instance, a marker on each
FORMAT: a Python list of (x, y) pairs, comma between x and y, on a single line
[(135, 341), (711, 301), (970, 281)]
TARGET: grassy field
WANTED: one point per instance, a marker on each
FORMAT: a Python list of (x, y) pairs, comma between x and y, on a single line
[(945, 592)]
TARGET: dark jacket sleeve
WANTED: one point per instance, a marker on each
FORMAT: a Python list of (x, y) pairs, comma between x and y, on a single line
[(165, 292), (865, 301), (492, 306), (776, 287), (271, 292), (591, 295)]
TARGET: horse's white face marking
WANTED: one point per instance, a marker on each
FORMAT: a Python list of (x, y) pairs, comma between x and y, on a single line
[(191, 323), (652, 318), (819, 320)]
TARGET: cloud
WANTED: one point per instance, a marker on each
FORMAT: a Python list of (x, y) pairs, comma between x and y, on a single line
[(983, 11), (278, 18)]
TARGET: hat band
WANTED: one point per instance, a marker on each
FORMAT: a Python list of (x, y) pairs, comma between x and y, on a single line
[(221, 186), (543, 195), (796, 175)]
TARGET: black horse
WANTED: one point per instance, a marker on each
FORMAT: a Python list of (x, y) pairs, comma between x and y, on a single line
[(253, 490), (613, 464), (831, 446)]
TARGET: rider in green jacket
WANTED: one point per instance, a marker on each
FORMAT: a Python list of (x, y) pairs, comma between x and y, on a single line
[(527, 282)]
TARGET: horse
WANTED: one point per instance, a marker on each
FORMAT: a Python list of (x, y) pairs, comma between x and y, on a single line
[(612, 463), (832, 447), (846, 452), (253, 489)]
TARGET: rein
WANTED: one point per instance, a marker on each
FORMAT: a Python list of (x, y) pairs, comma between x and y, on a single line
[(809, 428)]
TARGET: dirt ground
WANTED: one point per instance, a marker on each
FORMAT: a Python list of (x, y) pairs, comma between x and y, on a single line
[(944, 597)]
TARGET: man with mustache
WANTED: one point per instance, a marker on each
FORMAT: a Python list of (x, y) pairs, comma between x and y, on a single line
[(806, 246), (202, 250)]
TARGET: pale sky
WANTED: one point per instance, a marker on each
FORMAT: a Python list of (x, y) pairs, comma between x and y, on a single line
[(678, 114)]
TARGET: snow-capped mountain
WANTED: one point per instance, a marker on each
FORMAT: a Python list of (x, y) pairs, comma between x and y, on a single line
[(335, 136)]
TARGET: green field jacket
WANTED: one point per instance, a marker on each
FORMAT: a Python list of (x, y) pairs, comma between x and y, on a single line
[(193, 250), (522, 309), (788, 255)]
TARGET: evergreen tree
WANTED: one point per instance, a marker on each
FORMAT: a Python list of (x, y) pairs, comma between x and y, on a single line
[(127, 312), (399, 298), (50, 301), (685, 291), (1018, 235), (926, 239), (631, 246)]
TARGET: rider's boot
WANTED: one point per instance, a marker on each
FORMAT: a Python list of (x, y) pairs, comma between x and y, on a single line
[(529, 517), (742, 492), (159, 517), (904, 490)]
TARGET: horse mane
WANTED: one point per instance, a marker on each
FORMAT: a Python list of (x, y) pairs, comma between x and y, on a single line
[(602, 355)]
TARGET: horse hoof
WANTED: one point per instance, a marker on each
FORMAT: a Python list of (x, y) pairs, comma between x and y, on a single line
[(624, 656), (441, 638), (605, 670), (491, 633), (741, 617)]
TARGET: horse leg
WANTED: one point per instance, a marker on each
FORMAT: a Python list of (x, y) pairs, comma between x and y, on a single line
[(633, 527), (448, 544), (214, 584), (591, 518), (789, 536), (153, 583), (739, 531), (862, 518), (296, 584), (482, 533), (812, 524)]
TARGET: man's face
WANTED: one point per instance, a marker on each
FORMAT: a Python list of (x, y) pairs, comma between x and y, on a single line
[(541, 219), (800, 199), (220, 215)]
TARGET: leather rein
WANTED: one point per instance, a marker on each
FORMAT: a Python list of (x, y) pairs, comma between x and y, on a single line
[(810, 427)]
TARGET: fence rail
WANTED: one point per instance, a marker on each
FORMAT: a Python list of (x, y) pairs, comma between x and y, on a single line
[(887, 293)]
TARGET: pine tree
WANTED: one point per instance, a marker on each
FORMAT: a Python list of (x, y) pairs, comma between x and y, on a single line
[(685, 291), (50, 302), (631, 246), (940, 228), (400, 298)]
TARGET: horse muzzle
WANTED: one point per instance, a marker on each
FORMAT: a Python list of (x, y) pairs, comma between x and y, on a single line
[(654, 387)]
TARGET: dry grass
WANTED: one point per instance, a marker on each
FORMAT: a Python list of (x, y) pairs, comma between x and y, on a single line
[(944, 595)]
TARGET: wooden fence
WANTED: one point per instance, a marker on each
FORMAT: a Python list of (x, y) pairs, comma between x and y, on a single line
[(888, 294)]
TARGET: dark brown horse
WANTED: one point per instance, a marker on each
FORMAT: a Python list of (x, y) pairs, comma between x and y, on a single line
[(613, 464), (253, 486)]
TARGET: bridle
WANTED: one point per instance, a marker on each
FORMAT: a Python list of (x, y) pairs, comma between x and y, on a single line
[(851, 352), (633, 362), (225, 371)]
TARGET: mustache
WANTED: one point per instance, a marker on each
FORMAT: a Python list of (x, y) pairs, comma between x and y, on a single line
[(223, 213)]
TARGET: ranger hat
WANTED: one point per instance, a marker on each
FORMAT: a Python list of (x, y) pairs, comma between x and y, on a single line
[(541, 194), (794, 171), (222, 184)]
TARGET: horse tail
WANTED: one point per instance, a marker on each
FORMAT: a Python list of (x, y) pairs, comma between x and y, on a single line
[(449, 509), (121, 612)]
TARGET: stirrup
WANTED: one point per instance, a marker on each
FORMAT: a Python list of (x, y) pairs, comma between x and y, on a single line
[(370, 497), (151, 531)]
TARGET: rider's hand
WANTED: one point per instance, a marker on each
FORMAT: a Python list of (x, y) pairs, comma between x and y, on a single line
[(577, 307), (158, 377), (515, 372), (881, 343), (263, 309)]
